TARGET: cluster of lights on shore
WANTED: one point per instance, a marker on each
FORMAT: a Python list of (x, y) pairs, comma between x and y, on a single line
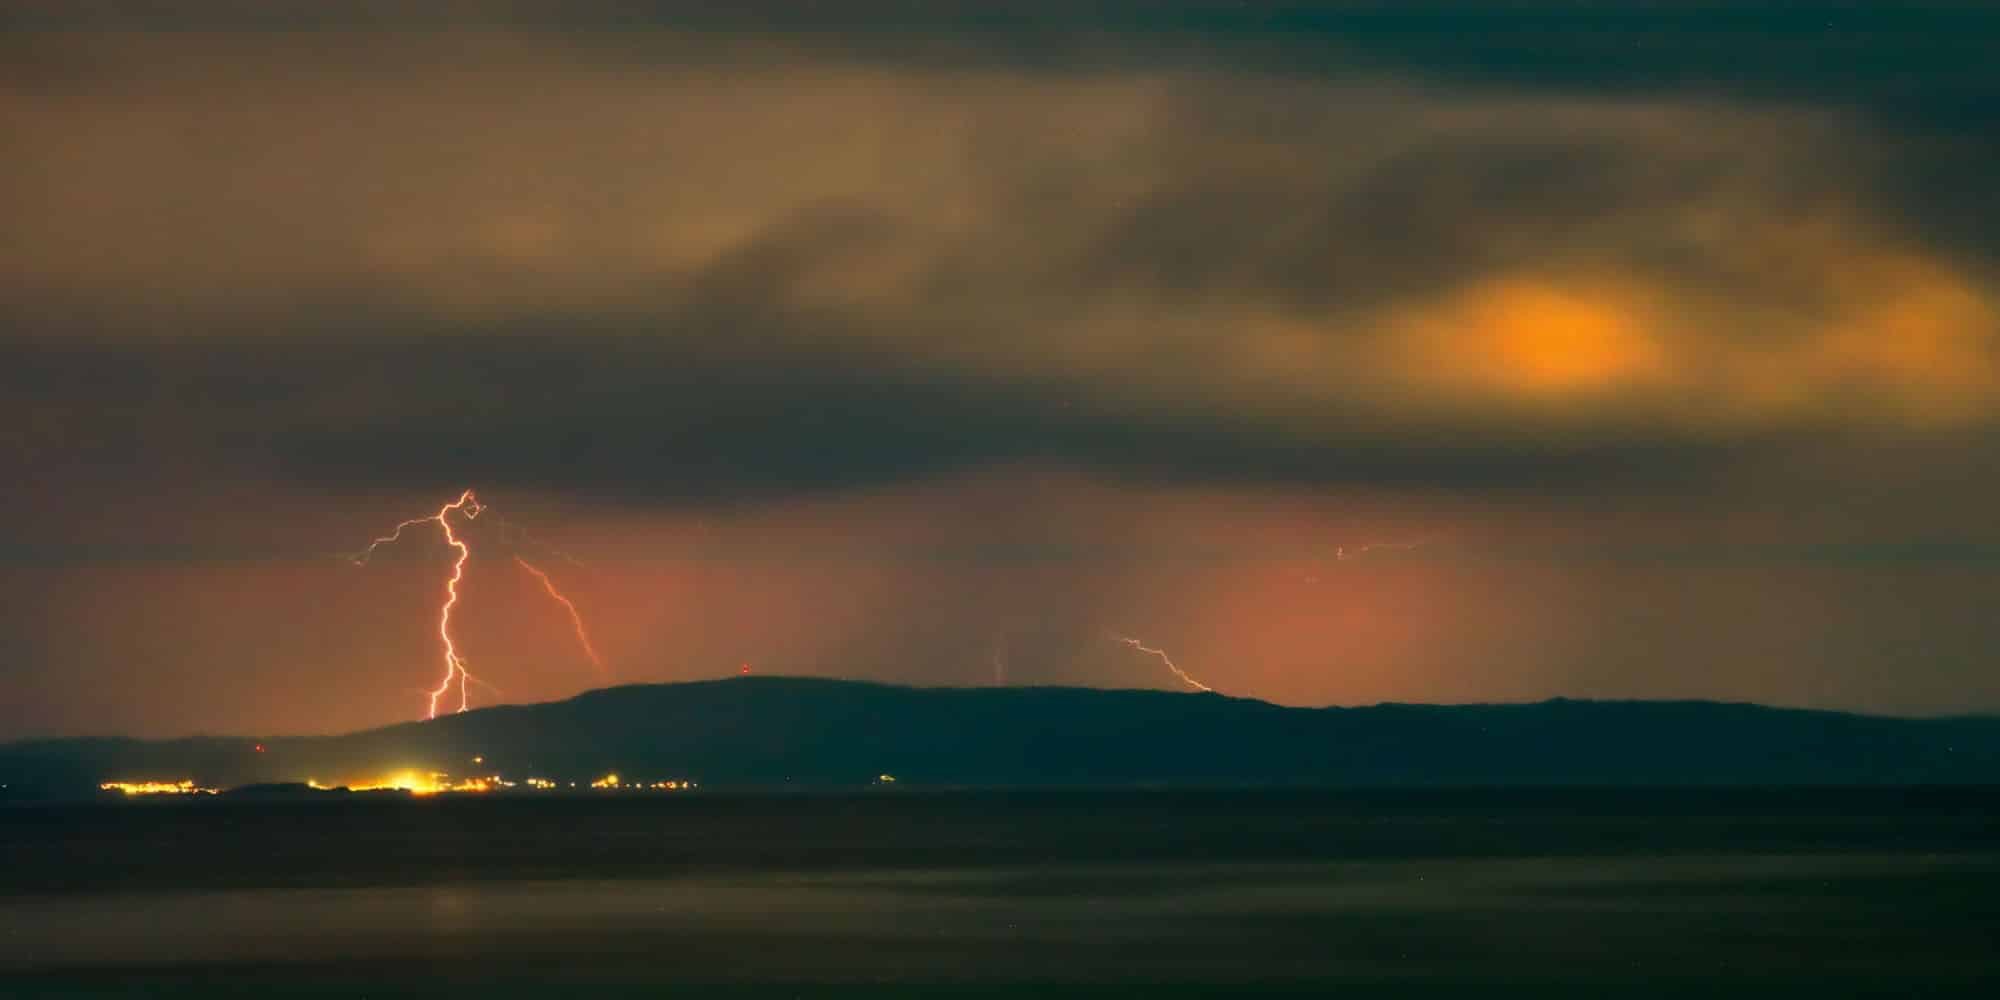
[(419, 782), (183, 787), (440, 783)]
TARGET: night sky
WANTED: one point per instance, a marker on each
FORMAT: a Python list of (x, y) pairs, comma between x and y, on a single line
[(1656, 347)]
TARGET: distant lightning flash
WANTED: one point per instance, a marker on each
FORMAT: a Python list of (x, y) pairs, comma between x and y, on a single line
[(517, 536), (1164, 658), (1342, 553), (454, 664), (575, 618)]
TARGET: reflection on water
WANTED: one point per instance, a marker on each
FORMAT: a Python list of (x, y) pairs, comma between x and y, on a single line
[(1511, 918)]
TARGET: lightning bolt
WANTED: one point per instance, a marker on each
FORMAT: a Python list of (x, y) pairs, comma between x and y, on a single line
[(575, 618), (454, 665), (1342, 553), (455, 673), (517, 536), (1164, 658)]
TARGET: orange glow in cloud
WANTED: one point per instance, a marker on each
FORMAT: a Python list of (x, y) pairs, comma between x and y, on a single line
[(1537, 339), (1928, 343)]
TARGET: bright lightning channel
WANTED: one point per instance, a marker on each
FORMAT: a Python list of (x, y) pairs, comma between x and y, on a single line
[(454, 665), (1161, 654), (468, 505)]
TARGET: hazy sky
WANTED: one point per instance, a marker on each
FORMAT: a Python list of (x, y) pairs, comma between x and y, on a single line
[(937, 342)]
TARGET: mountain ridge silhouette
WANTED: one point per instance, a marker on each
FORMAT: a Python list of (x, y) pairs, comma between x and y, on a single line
[(806, 732)]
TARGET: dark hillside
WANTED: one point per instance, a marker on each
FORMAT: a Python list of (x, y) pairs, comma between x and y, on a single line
[(803, 732)]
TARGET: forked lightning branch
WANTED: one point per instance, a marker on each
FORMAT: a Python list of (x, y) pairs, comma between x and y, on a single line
[(467, 508)]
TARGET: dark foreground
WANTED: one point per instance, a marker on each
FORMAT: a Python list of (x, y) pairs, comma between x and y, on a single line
[(1743, 892)]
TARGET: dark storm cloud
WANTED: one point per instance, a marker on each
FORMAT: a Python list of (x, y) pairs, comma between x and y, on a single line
[(1923, 61), (724, 252), (615, 418)]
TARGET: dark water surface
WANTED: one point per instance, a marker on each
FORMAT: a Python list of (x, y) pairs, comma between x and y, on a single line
[(972, 894)]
